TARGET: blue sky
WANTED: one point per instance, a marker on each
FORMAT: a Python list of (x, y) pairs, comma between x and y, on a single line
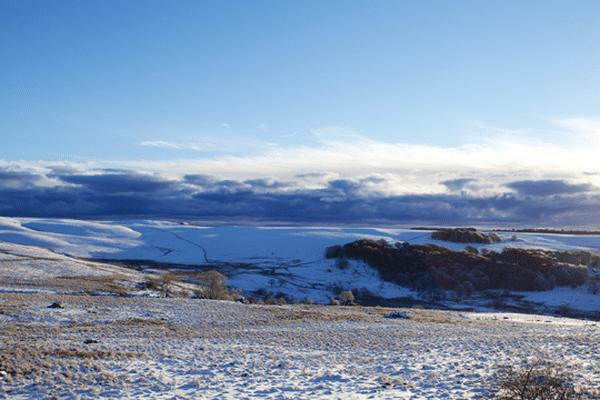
[(351, 104)]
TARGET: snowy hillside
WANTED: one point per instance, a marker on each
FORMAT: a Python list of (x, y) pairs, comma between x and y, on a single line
[(60, 339), (277, 260)]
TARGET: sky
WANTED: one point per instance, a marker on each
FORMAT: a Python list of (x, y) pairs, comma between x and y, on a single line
[(479, 113)]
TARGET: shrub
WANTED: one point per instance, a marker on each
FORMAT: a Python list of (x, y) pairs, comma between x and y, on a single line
[(308, 301), (564, 309), (382, 242), (342, 263), (333, 302), (469, 288), (472, 249), (499, 303), (593, 286), (162, 284), (541, 284), (537, 380), (334, 251), (215, 286), (346, 297), (460, 291), (336, 287)]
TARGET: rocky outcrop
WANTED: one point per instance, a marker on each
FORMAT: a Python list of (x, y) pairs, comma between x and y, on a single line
[(465, 235)]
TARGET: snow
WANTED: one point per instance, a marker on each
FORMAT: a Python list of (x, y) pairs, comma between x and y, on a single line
[(213, 350), (289, 260), (185, 348), (578, 298)]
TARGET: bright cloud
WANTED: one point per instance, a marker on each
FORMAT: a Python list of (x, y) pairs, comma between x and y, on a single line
[(349, 154), (587, 127), (341, 176), (171, 145)]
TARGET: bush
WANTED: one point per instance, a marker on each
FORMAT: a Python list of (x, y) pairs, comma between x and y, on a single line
[(215, 286), (460, 291), (342, 263), (541, 284), (472, 249), (593, 286), (163, 284), (346, 297), (334, 251), (336, 287), (537, 380), (333, 302), (469, 288)]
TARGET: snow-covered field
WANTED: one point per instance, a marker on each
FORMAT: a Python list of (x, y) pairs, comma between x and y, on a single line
[(287, 260), (111, 347), (148, 347)]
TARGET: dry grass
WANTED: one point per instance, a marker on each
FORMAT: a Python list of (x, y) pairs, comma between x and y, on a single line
[(44, 350), (109, 284)]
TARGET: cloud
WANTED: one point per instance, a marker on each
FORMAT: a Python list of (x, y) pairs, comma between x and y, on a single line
[(548, 187), (263, 127), (456, 185), (586, 127), (362, 200), (266, 184), (345, 153), (199, 180), (225, 125), (312, 175), (124, 182), (171, 145), (341, 177), (8, 175)]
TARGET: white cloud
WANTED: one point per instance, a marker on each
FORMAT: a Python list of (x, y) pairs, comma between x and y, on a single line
[(263, 127), (419, 169), (226, 125), (586, 127), (496, 130), (341, 153), (172, 145)]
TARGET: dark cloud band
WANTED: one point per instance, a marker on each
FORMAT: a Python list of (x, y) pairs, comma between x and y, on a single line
[(340, 201), (547, 187)]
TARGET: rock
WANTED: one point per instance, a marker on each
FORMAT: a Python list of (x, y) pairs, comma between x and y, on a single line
[(90, 341), (57, 304)]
